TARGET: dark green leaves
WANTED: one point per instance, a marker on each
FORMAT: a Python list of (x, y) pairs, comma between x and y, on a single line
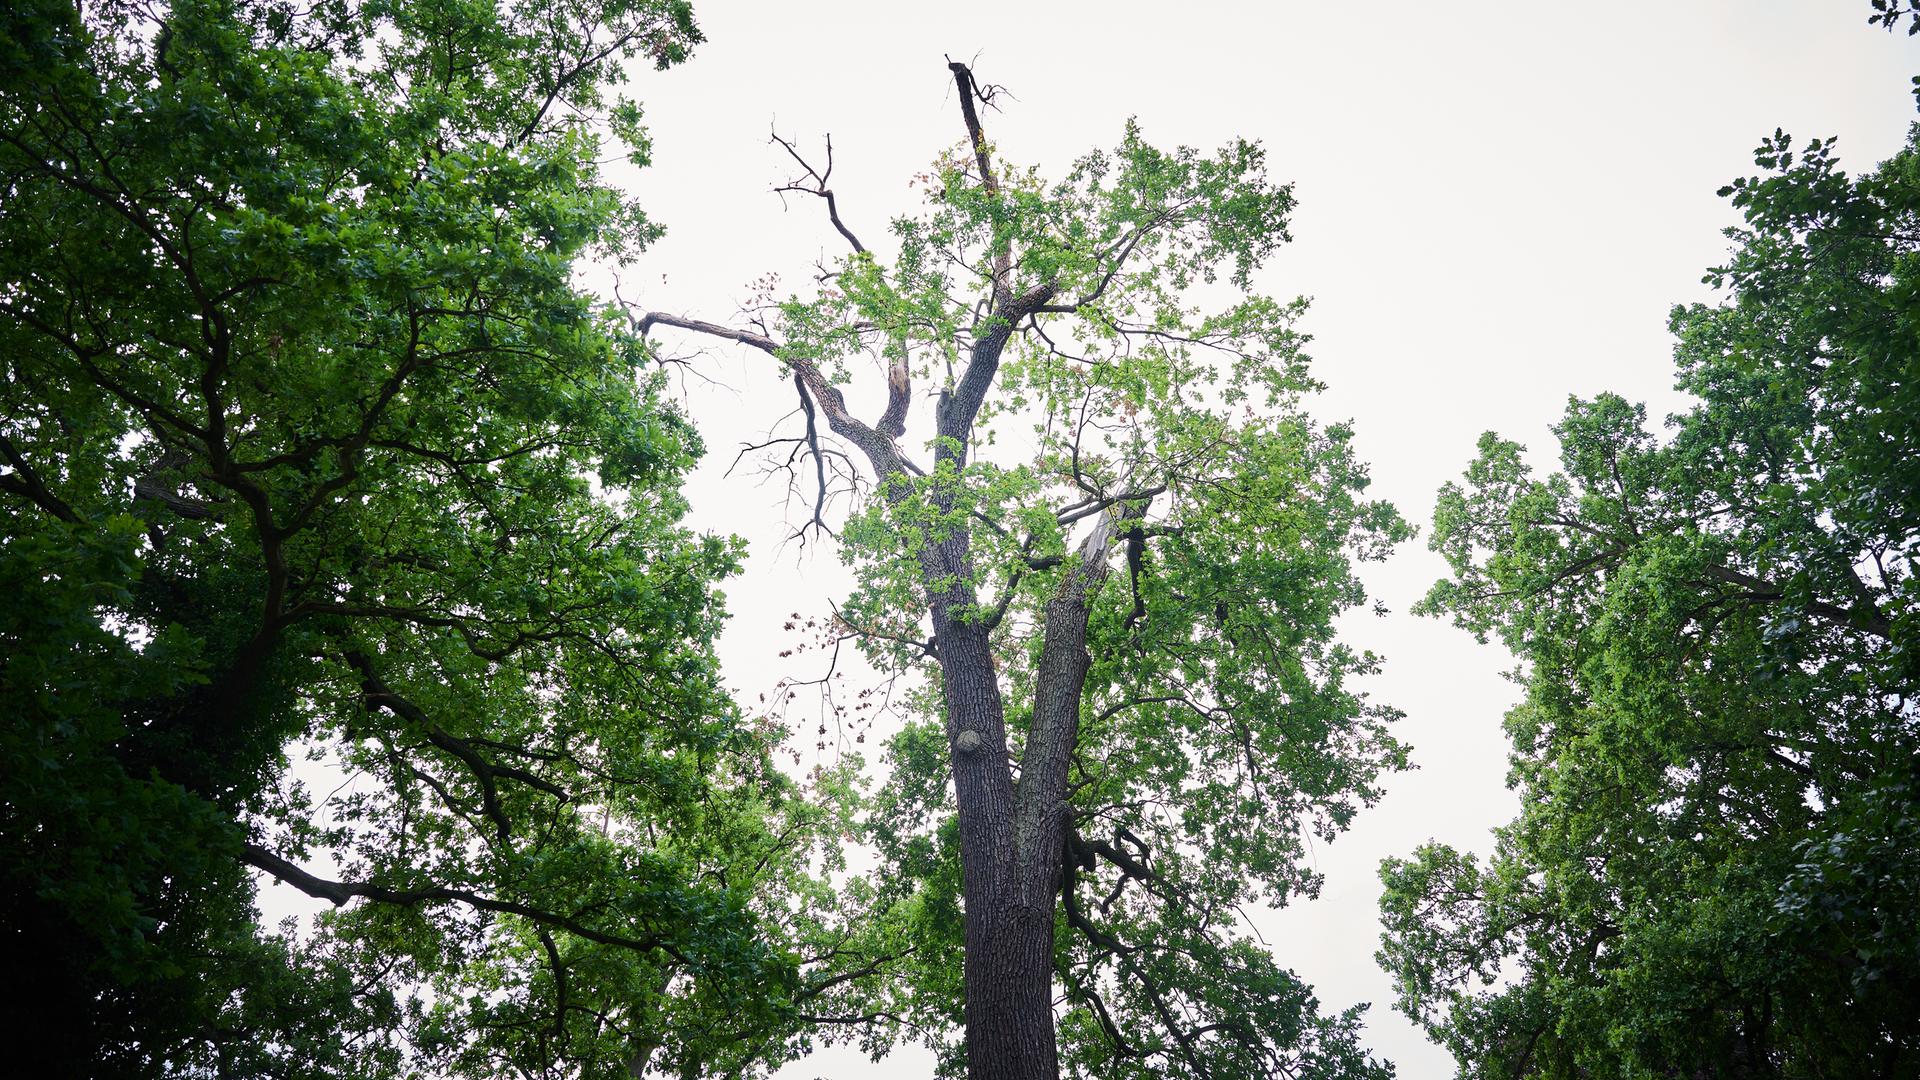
[(341, 546), (1716, 751)]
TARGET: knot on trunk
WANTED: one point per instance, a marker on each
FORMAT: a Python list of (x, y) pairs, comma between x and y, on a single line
[(966, 742)]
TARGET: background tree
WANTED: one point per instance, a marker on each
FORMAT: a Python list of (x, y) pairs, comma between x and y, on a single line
[(1718, 860), (312, 447), (1116, 551)]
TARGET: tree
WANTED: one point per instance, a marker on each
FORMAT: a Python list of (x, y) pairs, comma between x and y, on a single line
[(1718, 860), (1136, 704), (312, 447)]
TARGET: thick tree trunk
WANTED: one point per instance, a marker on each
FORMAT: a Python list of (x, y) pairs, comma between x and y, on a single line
[(1009, 939), (1011, 842), (1009, 971), (1009, 910)]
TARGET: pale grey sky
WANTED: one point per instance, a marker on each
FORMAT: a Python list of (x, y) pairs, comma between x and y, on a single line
[(1498, 202)]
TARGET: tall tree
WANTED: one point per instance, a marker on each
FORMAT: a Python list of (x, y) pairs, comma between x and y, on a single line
[(1717, 866), (1137, 707), (311, 447)]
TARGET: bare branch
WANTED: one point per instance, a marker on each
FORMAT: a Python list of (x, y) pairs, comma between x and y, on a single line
[(819, 463), (1087, 508), (881, 450), (976, 135), (700, 326), (819, 188)]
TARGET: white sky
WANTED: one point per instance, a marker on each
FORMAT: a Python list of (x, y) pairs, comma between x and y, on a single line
[(1498, 203)]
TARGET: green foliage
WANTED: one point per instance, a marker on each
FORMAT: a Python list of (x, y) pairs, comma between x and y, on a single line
[(1714, 872), (1219, 722), (313, 449), (1888, 13)]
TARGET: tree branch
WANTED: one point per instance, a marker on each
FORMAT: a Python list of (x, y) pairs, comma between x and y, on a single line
[(26, 483), (1866, 617), (378, 693), (819, 461), (700, 326), (880, 448), (1040, 809), (341, 892), (819, 188), (899, 395)]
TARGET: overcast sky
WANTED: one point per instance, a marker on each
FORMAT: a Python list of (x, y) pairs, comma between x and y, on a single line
[(1498, 203)]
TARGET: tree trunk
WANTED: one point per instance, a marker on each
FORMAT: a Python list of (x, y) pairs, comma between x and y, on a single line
[(1009, 938), (1011, 842), (1009, 972)]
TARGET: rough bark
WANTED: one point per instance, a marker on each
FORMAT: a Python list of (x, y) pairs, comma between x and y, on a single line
[(1010, 900)]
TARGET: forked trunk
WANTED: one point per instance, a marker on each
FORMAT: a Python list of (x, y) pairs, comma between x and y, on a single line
[(1009, 939), (1011, 842)]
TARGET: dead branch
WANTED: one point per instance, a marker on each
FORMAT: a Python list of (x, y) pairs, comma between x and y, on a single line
[(815, 183)]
